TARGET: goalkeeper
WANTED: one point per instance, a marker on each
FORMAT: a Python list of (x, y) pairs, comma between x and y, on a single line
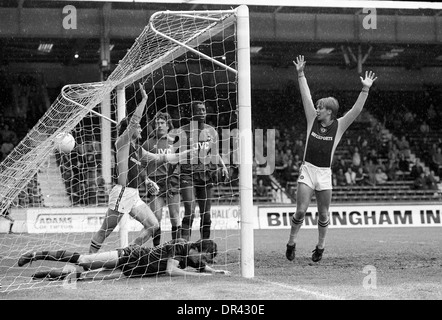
[(171, 258), (164, 175), (124, 196)]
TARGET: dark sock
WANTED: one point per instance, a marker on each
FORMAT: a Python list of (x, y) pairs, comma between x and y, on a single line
[(205, 232), (186, 227), (95, 245), (59, 255), (205, 226), (175, 233), (157, 237)]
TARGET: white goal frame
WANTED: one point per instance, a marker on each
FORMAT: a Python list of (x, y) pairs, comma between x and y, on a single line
[(245, 143), (78, 100)]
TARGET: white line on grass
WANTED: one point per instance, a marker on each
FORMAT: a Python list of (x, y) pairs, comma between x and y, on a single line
[(309, 292)]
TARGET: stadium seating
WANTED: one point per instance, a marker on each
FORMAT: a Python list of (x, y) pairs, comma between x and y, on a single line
[(400, 190)]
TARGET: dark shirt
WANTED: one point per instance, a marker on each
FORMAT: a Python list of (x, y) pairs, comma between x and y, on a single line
[(137, 261)]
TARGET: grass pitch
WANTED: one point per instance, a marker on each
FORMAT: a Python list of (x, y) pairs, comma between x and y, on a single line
[(358, 264)]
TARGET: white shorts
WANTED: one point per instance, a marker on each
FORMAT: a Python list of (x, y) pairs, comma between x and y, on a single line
[(315, 177), (123, 199)]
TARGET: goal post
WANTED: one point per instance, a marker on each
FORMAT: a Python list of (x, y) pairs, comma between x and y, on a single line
[(246, 143), (241, 18), (180, 56)]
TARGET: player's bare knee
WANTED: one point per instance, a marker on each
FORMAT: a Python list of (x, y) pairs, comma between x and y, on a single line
[(149, 225), (324, 216), (300, 214), (297, 218)]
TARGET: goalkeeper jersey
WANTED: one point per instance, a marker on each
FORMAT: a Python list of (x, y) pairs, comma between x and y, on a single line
[(137, 261)]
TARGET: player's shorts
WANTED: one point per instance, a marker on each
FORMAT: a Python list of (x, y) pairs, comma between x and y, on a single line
[(196, 178), (169, 186), (133, 261), (317, 178), (123, 199)]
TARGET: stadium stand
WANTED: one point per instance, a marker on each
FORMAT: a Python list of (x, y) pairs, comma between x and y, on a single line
[(415, 118), (374, 136)]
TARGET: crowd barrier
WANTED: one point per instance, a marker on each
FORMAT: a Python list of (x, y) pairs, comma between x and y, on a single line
[(84, 219)]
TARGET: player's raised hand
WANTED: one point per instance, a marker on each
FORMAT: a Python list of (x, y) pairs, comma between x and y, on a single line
[(299, 64), (367, 82), (143, 92)]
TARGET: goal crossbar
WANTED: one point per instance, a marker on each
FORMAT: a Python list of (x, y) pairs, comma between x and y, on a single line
[(181, 48), (85, 96)]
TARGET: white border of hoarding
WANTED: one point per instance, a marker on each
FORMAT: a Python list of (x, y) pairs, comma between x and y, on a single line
[(356, 216), (60, 220)]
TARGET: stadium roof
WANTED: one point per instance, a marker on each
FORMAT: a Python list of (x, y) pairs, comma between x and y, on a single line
[(297, 3), (22, 48)]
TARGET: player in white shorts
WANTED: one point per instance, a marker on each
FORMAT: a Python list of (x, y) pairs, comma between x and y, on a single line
[(131, 159), (324, 131), (316, 178), (123, 199)]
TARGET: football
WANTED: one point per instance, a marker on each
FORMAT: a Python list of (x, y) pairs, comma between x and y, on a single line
[(64, 142)]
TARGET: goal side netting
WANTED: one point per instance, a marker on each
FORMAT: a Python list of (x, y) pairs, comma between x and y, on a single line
[(58, 199)]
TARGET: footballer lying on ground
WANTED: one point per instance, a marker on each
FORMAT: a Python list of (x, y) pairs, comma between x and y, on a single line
[(171, 258)]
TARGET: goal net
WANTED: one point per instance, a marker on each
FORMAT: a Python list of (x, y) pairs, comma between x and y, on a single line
[(58, 199)]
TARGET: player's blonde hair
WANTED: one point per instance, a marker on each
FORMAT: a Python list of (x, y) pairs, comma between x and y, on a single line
[(330, 103)]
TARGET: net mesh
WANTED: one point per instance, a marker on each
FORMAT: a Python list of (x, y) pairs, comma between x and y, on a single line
[(58, 200)]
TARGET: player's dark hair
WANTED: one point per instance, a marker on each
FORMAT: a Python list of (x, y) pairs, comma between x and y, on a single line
[(196, 103), (206, 245), (164, 116), (203, 246)]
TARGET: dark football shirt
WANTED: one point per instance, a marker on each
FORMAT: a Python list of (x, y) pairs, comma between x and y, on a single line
[(137, 261), (320, 143)]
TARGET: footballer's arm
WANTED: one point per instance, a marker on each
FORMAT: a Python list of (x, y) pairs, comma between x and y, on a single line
[(174, 270), (208, 269)]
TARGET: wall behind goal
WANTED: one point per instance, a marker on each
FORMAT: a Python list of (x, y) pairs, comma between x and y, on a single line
[(81, 219)]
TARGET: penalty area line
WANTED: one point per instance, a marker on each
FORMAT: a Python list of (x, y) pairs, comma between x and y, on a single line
[(298, 289)]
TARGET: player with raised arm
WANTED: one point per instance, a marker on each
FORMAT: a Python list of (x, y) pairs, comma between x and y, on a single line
[(196, 176), (324, 131), (124, 197), (171, 258), (165, 175)]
